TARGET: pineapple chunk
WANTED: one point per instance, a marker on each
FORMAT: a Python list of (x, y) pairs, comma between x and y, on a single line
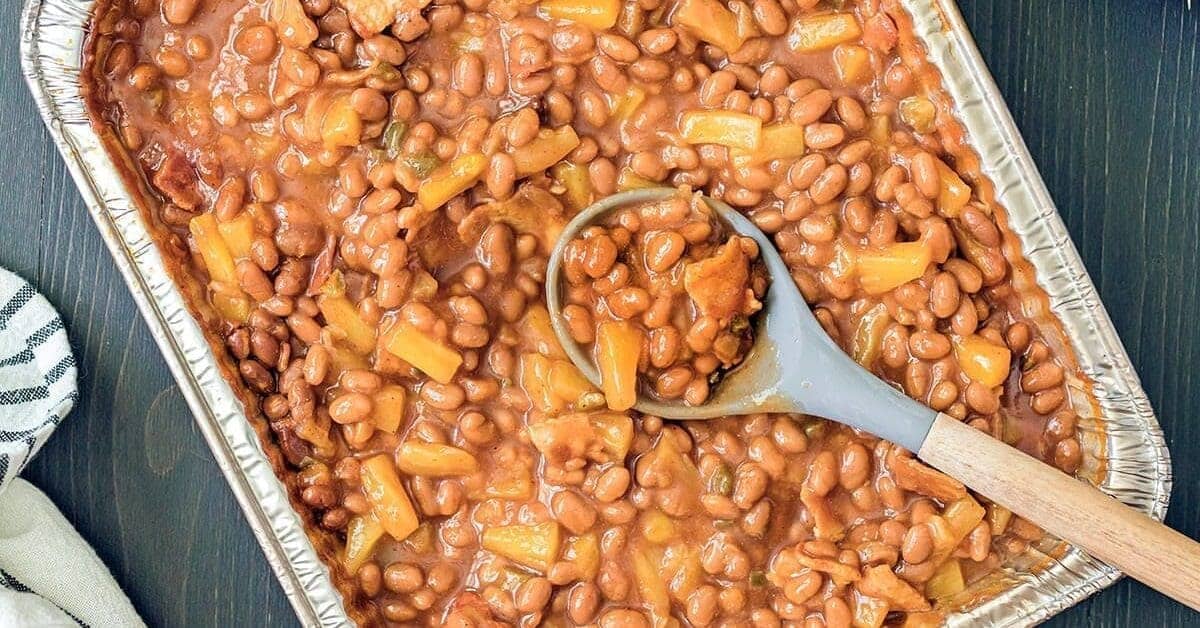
[(779, 141), (547, 149), (534, 378), (721, 126), (813, 33), (238, 234), (451, 180), (535, 546), (946, 582), (389, 502), (435, 460), (341, 126), (982, 360), (389, 408), (576, 183), (584, 552), (651, 585), (339, 312), (596, 14), (682, 569), (867, 341), (953, 525), (627, 180), (657, 527), (231, 307), (955, 192), (427, 354), (883, 269), (538, 334), (362, 533), (216, 254), (998, 517), (869, 612), (853, 64), (623, 105), (578, 435), (710, 21), (618, 347)]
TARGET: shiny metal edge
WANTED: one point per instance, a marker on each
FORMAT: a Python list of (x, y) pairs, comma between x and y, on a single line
[(1138, 466), (53, 33), (1136, 457)]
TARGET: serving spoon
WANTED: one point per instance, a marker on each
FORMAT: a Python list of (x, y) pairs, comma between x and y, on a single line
[(795, 367)]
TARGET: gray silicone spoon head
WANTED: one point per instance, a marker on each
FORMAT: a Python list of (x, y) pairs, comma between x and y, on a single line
[(793, 365)]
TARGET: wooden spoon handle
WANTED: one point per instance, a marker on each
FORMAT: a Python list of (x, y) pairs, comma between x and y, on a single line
[(1067, 508)]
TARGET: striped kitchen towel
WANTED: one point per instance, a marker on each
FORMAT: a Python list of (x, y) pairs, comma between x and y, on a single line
[(49, 576)]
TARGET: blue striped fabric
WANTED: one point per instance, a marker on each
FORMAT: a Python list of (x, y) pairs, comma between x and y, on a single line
[(37, 381)]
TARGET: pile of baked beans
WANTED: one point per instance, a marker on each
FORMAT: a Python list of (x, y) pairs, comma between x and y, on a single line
[(366, 192), (669, 275)]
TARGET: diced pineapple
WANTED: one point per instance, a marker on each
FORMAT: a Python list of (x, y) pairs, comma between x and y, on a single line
[(998, 517), (618, 346), (535, 330), (389, 502), (576, 183), (340, 313), (584, 552), (651, 585), (597, 14), (576, 435), (451, 180), (852, 63), (534, 378), (218, 259), (545, 150), (657, 528), (389, 408), (568, 382), (423, 352), (946, 582), (710, 21), (231, 307), (779, 141), (721, 126), (880, 129), (627, 180), (880, 582), (869, 612), (953, 525), (982, 360), (813, 33), (919, 113), (512, 482), (868, 335), (341, 126), (435, 460), (535, 546), (882, 269), (238, 234), (682, 569), (955, 192), (362, 533), (622, 106)]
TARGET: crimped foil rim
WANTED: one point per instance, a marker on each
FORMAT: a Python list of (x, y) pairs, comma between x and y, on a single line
[(1138, 465)]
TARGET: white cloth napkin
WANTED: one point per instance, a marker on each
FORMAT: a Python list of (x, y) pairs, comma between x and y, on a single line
[(49, 576)]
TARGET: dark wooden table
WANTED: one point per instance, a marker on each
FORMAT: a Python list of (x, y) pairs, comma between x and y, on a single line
[(1107, 94)]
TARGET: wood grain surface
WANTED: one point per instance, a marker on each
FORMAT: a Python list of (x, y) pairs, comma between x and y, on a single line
[(1106, 93)]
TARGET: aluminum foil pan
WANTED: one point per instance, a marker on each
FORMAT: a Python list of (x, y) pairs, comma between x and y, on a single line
[(1123, 446)]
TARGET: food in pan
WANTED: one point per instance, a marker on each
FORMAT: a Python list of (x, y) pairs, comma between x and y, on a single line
[(362, 195)]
